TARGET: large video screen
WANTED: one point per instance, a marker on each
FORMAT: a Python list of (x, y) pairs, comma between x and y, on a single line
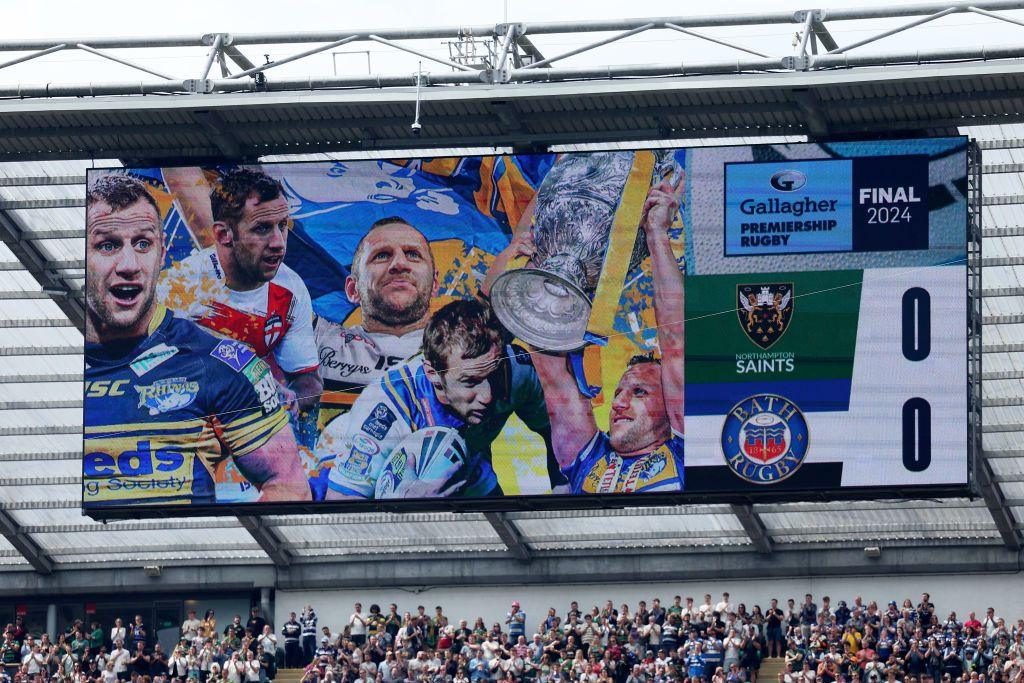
[(482, 332)]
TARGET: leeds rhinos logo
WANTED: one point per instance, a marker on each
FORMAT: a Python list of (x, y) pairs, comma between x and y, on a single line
[(165, 395), (764, 311), (764, 439), (233, 354)]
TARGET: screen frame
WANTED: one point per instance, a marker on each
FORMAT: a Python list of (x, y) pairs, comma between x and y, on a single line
[(513, 503)]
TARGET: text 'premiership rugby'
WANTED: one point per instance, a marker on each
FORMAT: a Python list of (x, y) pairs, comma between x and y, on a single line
[(633, 324)]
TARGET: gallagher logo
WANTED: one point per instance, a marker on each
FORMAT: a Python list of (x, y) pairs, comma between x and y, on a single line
[(764, 439), (788, 181)]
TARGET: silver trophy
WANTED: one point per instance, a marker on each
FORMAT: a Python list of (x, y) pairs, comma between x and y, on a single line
[(547, 304)]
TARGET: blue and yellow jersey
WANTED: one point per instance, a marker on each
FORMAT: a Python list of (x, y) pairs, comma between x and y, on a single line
[(404, 401), (163, 412), (599, 469)]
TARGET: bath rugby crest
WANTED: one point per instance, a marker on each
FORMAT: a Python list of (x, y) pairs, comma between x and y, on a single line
[(764, 311), (764, 438)]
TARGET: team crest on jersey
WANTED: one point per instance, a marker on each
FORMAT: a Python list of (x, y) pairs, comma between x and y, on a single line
[(379, 422), (150, 358), (165, 395), (764, 311), (233, 354), (764, 438), (273, 328), (653, 466)]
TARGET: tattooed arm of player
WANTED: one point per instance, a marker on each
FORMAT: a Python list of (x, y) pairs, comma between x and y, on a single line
[(669, 310), (192, 193), (570, 412), (274, 469)]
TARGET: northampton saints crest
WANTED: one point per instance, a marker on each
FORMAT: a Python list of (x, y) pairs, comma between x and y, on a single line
[(764, 311)]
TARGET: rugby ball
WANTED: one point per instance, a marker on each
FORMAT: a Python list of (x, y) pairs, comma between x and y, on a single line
[(429, 453)]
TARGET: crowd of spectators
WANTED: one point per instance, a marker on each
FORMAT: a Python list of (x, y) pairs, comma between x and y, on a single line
[(684, 642)]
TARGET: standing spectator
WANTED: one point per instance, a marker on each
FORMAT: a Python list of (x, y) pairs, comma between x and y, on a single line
[(139, 636), (658, 612), (808, 616), (267, 640), (773, 619), (177, 665), (119, 658), (95, 636), (723, 607), (925, 609), (308, 621), (516, 620), (138, 665), (990, 623), (190, 627), (209, 624), (292, 632), (392, 622), (234, 669), (695, 663), (252, 667), (235, 631), (10, 654), (357, 626), (157, 662), (256, 622), (268, 664), (35, 661), (19, 633)]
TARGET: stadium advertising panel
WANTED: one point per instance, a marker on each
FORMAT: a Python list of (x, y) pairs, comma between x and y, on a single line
[(617, 327)]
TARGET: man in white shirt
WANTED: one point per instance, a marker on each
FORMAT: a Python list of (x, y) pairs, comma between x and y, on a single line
[(357, 626), (707, 608), (34, 661), (724, 606), (119, 658), (190, 627)]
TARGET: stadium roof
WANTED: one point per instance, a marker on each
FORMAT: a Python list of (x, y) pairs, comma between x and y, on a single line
[(45, 541)]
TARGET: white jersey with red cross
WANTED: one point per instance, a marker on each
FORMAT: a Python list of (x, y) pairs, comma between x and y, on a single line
[(275, 318)]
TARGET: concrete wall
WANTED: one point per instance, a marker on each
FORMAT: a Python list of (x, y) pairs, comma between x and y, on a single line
[(963, 593)]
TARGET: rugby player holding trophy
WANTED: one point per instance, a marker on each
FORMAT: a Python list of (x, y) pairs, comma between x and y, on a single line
[(580, 212), (168, 401)]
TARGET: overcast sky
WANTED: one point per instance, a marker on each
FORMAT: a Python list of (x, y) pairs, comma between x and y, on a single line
[(72, 19)]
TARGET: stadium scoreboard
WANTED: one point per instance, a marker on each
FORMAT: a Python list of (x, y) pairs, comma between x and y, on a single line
[(587, 328)]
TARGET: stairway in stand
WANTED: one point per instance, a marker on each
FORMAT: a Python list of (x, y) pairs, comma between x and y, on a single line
[(770, 670), (288, 675)]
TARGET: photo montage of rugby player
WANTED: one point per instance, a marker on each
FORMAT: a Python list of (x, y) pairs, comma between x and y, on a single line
[(398, 309), (167, 402), (642, 450), (240, 288)]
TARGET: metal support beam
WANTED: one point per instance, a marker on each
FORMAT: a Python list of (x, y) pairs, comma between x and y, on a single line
[(24, 544), (509, 534), (556, 567), (821, 33), (816, 121), (35, 262), (267, 540), (219, 133), (996, 504), (236, 56), (755, 528)]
